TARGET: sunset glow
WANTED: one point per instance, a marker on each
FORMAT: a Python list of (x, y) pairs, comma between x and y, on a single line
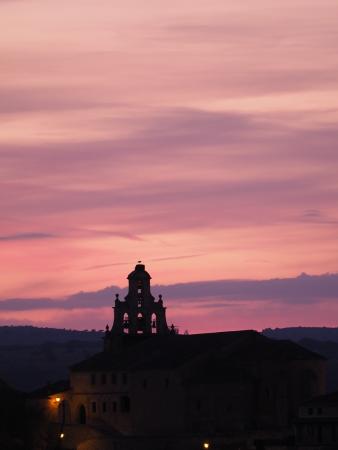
[(199, 137)]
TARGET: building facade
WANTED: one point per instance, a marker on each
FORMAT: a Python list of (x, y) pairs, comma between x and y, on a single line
[(150, 382), (317, 423)]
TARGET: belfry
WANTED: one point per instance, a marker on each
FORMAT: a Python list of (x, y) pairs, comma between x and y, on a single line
[(139, 313)]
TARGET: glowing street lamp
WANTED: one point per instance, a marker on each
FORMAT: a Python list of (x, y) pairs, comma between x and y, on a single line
[(62, 435), (58, 399), (206, 445)]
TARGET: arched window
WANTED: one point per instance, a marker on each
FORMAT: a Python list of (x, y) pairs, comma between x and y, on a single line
[(140, 323), (153, 323), (82, 415), (126, 323)]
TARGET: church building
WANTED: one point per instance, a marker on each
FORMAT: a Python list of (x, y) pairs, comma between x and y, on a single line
[(152, 388)]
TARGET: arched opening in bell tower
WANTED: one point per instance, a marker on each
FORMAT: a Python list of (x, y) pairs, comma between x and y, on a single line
[(153, 324), (140, 323), (126, 323)]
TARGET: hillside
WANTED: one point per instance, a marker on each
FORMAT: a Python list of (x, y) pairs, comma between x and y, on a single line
[(299, 333), (31, 357), (29, 335)]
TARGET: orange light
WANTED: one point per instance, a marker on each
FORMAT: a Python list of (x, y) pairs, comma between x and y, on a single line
[(62, 435), (206, 445), (58, 399)]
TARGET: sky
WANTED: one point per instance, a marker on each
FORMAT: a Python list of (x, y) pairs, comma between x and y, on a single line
[(199, 137)]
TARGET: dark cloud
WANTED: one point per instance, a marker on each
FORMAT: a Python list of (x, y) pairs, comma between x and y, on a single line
[(304, 289), (26, 236), (52, 98)]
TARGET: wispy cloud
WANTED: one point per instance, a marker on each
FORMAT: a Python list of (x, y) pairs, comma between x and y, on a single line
[(26, 236), (129, 263)]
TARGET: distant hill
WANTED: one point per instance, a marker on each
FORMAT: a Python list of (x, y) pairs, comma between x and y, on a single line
[(29, 335), (29, 367), (31, 357), (299, 333)]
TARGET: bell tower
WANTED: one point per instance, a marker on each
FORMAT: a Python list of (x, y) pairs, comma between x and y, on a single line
[(139, 313)]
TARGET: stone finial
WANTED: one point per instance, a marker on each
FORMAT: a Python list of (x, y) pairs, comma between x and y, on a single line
[(107, 328)]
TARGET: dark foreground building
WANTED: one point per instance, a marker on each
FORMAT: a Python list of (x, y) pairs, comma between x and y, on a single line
[(152, 388), (317, 424)]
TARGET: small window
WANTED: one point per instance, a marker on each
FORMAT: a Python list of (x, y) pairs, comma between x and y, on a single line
[(113, 378), (125, 404), (93, 407), (139, 290), (103, 378), (93, 379), (114, 405), (104, 407), (124, 378)]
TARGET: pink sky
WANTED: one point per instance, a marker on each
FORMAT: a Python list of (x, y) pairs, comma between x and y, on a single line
[(200, 137)]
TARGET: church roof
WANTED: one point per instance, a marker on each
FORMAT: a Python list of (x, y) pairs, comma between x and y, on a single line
[(172, 351), (323, 400), (263, 348)]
